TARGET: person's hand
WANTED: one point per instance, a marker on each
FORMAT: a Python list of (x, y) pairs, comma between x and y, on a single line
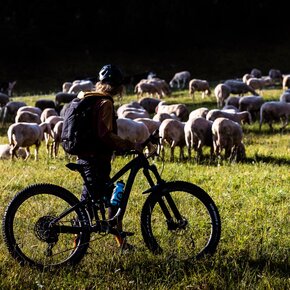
[(139, 147)]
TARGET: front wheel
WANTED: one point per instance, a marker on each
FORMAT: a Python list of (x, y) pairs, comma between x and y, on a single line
[(180, 220), (36, 234)]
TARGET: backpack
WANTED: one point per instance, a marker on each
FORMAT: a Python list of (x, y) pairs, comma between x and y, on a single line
[(79, 133)]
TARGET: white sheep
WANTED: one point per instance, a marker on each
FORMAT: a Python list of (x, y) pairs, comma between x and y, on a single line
[(25, 135), (147, 88), (149, 104), (221, 93), (159, 117), (239, 117), (257, 83), (197, 85), (228, 135), (63, 98), (198, 134), (31, 109), (275, 75), (151, 124), (5, 152), (44, 103), (285, 97), (27, 117), (286, 81), (56, 134), (47, 113), (180, 80), (83, 85), (66, 86), (9, 111), (256, 73), (172, 133), (274, 111), (252, 104), (199, 112), (239, 88), (246, 77), (180, 110)]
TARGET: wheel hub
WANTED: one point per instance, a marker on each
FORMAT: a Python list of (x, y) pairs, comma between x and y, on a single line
[(44, 231)]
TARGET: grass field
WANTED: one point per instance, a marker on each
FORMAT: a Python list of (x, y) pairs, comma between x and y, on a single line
[(252, 198)]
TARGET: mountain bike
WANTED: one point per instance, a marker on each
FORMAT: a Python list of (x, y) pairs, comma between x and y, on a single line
[(178, 219)]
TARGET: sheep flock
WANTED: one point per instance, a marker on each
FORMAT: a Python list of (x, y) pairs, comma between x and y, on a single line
[(233, 104)]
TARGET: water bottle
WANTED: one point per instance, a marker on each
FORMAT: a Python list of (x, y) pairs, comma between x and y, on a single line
[(117, 193)]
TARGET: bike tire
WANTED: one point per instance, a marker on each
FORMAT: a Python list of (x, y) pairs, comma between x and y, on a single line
[(200, 234), (24, 233)]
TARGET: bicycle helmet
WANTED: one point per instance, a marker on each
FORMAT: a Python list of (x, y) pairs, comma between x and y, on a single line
[(111, 74)]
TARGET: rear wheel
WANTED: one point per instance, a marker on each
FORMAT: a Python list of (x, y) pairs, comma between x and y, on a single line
[(31, 235), (190, 229)]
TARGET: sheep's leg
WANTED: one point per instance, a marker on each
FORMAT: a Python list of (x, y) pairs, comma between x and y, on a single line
[(181, 153), (27, 153), (172, 153), (13, 152)]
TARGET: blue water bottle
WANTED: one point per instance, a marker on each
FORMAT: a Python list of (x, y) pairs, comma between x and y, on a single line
[(117, 193)]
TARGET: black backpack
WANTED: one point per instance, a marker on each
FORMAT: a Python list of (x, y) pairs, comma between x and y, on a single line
[(78, 133)]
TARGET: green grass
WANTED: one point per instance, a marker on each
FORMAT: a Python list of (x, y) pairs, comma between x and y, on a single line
[(252, 197)]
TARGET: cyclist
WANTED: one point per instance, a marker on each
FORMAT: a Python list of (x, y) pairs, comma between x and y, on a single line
[(97, 163)]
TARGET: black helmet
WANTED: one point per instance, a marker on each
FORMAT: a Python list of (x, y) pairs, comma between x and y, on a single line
[(111, 74)]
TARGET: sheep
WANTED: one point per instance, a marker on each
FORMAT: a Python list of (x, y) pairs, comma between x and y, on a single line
[(276, 75), (275, 111), (228, 135), (66, 86), (286, 81), (221, 92), (44, 103), (251, 104), (180, 110), (7, 87), (198, 133), (4, 99), (172, 132), (147, 88), (230, 108), (47, 112), (239, 88), (31, 109), (9, 111), (133, 114), (257, 83), (180, 80), (232, 101), (159, 117), (56, 134), (285, 97), (25, 135), (83, 85), (149, 104), (131, 107), (239, 117), (151, 124), (27, 117), (256, 73), (6, 154), (64, 98), (246, 77), (200, 112), (199, 86)]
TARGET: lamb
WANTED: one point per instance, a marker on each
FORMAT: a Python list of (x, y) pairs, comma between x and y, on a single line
[(4, 99), (180, 80), (199, 86), (252, 104), (239, 117), (149, 104), (198, 133), (228, 135), (275, 111), (6, 154), (172, 132), (25, 135), (200, 112), (83, 85), (27, 117), (180, 110), (221, 92), (239, 88)]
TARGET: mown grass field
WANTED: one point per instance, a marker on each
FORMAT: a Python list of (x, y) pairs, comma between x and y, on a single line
[(252, 197)]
